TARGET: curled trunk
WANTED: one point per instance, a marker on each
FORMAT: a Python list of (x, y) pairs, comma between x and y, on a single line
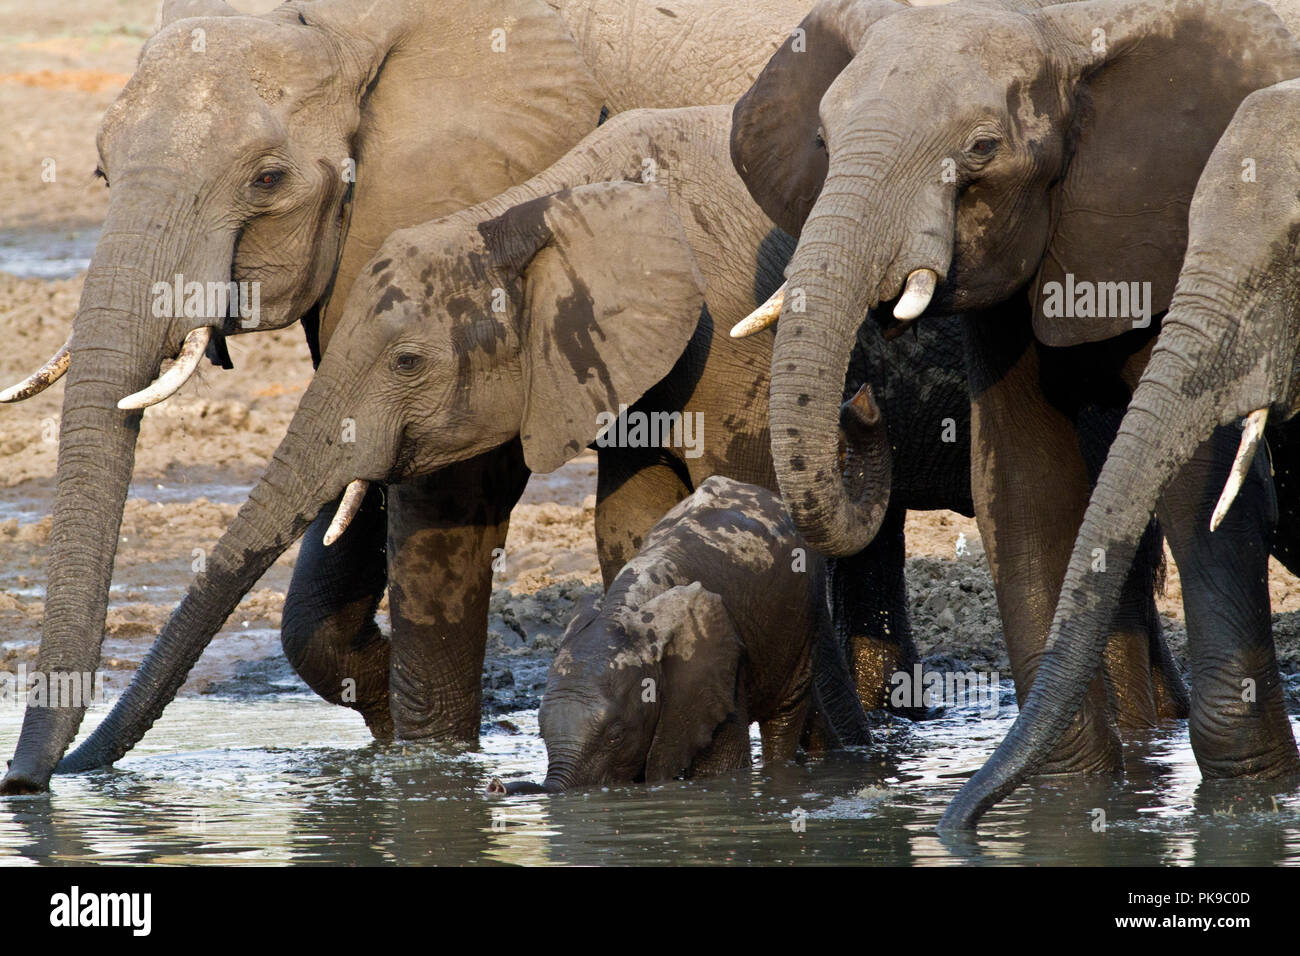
[(829, 293)]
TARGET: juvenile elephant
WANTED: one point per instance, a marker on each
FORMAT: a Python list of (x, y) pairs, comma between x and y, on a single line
[(282, 149), (529, 322), (721, 620), (994, 158), (1229, 347)]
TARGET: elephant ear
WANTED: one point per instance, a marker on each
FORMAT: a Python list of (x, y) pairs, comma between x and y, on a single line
[(699, 655), (611, 296), (774, 125), (1153, 86), (457, 103)]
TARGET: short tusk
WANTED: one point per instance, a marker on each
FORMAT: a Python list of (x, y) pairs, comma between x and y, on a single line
[(916, 294), (765, 315), (42, 378), (348, 508), (170, 382), (1251, 433)]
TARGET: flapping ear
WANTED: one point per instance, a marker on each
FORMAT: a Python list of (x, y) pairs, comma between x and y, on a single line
[(611, 296), (1154, 84), (699, 659), (457, 104), (774, 125)]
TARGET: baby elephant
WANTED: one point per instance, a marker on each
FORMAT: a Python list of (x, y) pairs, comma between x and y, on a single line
[(720, 620)]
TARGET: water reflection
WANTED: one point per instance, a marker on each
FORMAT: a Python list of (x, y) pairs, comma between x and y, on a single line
[(291, 779)]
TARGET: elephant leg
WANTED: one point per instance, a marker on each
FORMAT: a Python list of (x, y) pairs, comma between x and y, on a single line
[(442, 532), (1030, 487), (1238, 724), (1127, 658), (729, 749), (869, 608), (781, 733), (328, 629), (635, 487)]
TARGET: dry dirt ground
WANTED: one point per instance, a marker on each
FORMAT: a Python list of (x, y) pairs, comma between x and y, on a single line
[(63, 63)]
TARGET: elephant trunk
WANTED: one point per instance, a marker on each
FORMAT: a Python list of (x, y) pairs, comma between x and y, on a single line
[(119, 347), (279, 508), (1200, 375), (841, 269), (562, 768)]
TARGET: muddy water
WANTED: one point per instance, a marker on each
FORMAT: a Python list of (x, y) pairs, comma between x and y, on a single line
[(292, 780)]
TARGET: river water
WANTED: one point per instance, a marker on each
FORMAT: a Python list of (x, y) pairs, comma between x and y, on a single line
[(285, 778), (290, 779)]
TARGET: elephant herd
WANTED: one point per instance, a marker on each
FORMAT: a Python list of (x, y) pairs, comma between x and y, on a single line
[(1032, 262)]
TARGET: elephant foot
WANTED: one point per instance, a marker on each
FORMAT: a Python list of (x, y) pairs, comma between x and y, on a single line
[(874, 662), (379, 721), (1236, 740)]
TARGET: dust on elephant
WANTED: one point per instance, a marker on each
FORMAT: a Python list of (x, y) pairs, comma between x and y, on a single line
[(983, 158), (432, 290), (720, 621), (1229, 347), (280, 150)]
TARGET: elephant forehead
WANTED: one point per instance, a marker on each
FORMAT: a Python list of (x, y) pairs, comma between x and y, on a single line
[(979, 50)]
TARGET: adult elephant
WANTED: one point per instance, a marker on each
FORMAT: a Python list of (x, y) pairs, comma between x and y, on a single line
[(990, 158), (1229, 347), (282, 149), (600, 308)]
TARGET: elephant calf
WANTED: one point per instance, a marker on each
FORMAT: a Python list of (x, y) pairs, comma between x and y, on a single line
[(720, 620)]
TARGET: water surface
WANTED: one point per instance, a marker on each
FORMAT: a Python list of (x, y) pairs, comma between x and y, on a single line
[(291, 779)]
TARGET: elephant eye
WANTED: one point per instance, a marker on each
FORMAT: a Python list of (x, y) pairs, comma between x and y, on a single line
[(984, 147), (100, 174), (614, 735), (407, 362), (821, 138), (268, 178)]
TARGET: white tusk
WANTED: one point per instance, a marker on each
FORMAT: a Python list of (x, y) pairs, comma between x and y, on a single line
[(916, 294), (1251, 433), (348, 508), (42, 378), (765, 315), (169, 382)]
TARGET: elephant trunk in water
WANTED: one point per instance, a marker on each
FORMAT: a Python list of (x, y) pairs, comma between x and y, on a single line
[(285, 500), (829, 289), (562, 766), (110, 360), (1208, 368)]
